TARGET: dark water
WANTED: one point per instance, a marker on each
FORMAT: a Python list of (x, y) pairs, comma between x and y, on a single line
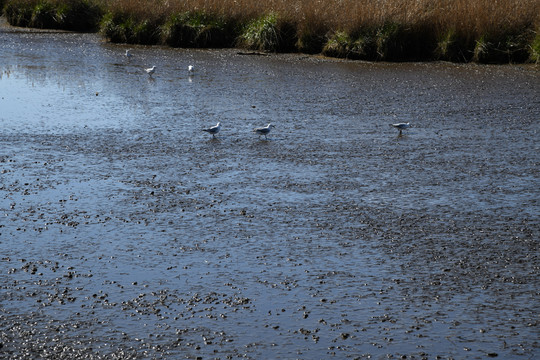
[(127, 232)]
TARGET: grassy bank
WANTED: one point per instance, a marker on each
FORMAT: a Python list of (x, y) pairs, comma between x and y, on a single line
[(392, 30), (78, 15)]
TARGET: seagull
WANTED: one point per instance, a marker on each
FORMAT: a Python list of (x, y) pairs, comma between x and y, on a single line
[(401, 126), (190, 68), (213, 129), (151, 70), (129, 55), (264, 130)]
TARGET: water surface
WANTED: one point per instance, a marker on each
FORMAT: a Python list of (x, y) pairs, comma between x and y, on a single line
[(127, 232)]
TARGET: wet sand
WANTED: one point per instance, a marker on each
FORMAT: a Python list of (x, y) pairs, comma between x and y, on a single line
[(126, 232)]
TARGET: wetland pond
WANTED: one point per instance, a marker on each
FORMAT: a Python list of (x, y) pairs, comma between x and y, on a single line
[(126, 232)]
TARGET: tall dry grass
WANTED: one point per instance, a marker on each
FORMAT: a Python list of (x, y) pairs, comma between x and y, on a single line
[(468, 16), (460, 30)]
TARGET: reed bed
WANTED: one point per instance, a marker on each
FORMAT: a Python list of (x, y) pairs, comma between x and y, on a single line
[(77, 15), (390, 30)]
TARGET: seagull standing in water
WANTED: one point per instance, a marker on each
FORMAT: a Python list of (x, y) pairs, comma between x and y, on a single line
[(401, 127), (151, 70), (129, 55), (191, 69), (264, 130), (213, 129)]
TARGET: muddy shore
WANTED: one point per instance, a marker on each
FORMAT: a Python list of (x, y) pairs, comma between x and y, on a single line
[(128, 233)]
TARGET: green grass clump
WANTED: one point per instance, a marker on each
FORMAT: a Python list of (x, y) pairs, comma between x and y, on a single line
[(197, 29), (79, 15), (343, 45), (516, 47), (261, 33), (481, 49), (338, 45), (268, 33), (126, 28), (453, 47), (534, 48), (503, 48), (387, 41), (43, 16), (19, 13)]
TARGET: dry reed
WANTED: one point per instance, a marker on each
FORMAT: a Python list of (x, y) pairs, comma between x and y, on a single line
[(460, 30), (470, 16)]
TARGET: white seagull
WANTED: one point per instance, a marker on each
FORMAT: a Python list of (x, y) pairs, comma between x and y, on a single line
[(151, 70), (190, 68), (213, 129), (129, 55), (264, 130), (401, 126)]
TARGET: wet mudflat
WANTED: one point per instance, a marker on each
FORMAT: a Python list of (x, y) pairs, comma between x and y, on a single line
[(127, 232)]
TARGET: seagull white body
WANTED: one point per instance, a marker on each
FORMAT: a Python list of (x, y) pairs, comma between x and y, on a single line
[(213, 129), (264, 130), (190, 68), (151, 70), (129, 54), (401, 126)]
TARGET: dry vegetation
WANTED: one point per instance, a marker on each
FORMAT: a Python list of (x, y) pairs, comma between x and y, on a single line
[(470, 16), (457, 30), (473, 15)]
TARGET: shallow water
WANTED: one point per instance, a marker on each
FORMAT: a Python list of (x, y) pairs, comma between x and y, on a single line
[(127, 232)]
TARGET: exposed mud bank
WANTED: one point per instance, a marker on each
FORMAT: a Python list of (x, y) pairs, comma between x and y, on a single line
[(126, 232)]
